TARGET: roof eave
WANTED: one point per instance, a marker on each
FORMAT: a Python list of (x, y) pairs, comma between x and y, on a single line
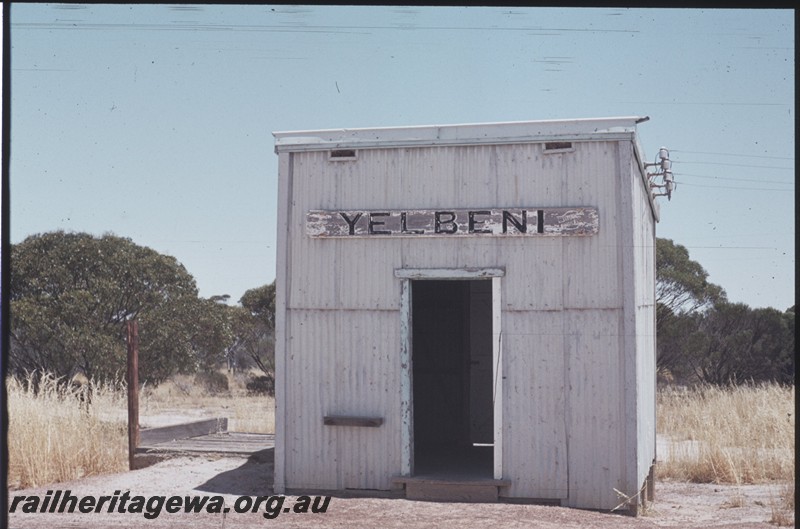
[(464, 134)]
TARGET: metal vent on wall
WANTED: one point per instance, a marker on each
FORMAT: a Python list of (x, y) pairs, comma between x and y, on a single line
[(342, 155), (558, 146)]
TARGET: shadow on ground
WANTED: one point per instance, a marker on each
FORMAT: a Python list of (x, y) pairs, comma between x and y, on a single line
[(253, 478)]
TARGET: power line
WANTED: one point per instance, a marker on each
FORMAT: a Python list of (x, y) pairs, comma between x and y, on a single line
[(705, 103), (731, 187), (304, 28), (737, 179), (734, 164), (737, 155), (733, 247)]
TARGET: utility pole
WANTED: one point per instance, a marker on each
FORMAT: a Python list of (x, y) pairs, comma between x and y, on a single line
[(133, 390)]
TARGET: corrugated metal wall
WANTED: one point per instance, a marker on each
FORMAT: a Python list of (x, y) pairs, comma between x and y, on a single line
[(536, 419), (341, 363), (645, 281), (562, 313)]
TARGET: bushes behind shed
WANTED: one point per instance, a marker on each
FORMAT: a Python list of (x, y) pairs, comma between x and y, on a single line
[(261, 385)]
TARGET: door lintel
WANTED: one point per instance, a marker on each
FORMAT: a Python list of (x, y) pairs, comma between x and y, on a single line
[(449, 273)]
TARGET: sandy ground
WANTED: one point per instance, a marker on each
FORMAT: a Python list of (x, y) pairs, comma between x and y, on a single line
[(679, 505)]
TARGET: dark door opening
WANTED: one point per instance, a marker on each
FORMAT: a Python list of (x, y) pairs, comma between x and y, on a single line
[(452, 377)]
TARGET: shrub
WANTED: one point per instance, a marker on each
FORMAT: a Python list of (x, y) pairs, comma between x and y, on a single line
[(263, 385), (212, 381)]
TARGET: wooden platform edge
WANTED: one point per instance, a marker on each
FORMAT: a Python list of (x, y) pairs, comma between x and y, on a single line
[(163, 434)]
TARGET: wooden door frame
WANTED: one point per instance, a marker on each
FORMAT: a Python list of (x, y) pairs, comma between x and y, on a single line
[(406, 275)]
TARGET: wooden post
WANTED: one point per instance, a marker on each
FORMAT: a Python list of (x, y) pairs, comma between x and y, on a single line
[(133, 390)]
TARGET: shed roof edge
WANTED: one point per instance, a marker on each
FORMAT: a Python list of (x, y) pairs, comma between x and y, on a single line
[(464, 134)]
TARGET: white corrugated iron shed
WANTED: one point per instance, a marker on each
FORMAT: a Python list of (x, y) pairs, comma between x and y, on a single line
[(454, 295)]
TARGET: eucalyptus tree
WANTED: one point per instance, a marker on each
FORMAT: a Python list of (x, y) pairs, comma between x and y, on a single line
[(72, 293), (683, 294), (254, 329)]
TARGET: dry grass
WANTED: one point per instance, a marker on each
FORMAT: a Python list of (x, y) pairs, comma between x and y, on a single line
[(741, 435), (52, 438), (245, 413), (783, 508)]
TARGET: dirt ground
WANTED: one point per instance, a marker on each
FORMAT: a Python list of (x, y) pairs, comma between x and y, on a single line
[(679, 505)]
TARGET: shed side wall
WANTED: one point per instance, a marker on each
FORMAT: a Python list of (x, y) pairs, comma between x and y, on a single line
[(282, 281), (645, 293)]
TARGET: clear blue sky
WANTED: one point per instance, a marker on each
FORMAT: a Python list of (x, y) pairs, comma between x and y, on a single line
[(154, 121)]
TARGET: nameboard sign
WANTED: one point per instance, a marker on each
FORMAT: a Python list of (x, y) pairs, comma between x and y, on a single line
[(513, 222)]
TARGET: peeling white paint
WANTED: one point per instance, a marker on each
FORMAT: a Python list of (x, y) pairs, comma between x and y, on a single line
[(478, 222)]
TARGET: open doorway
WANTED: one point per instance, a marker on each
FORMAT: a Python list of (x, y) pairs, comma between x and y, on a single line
[(452, 355)]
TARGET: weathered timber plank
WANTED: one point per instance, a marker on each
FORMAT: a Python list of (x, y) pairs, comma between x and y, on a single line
[(182, 431), (205, 448), (454, 222), (228, 443)]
